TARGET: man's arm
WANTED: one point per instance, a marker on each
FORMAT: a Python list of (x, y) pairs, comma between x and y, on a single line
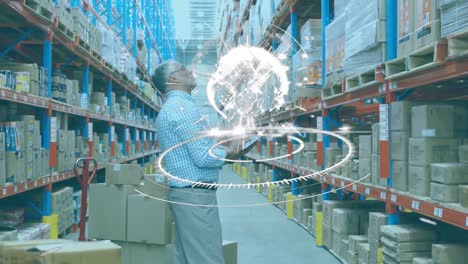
[(188, 125)]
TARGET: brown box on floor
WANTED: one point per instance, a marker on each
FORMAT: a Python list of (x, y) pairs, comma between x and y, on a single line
[(142, 212)]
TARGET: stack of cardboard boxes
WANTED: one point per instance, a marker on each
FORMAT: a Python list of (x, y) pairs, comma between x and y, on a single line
[(402, 243), (62, 205), (400, 115)]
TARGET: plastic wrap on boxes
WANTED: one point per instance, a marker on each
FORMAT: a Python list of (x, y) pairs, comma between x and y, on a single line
[(454, 17), (8, 233), (449, 253), (365, 30), (11, 216), (311, 36), (33, 231), (335, 41), (409, 233)]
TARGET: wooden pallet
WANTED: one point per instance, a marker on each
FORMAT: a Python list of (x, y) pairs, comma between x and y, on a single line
[(63, 30), (43, 12), (458, 45), (83, 46), (428, 56), (396, 68), (333, 90), (365, 79), (96, 55)]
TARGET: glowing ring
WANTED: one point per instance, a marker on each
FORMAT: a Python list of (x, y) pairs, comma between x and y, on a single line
[(250, 205), (265, 184), (301, 147)]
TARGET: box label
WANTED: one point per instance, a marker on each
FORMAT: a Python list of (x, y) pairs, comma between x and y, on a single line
[(428, 133), (319, 127), (383, 115), (53, 129), (116, 167), (90, 131)]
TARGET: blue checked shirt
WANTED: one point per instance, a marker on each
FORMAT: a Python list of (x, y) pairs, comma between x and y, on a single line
[(179, 120)]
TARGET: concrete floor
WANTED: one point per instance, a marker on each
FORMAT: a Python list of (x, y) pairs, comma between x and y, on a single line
[(263, 233)]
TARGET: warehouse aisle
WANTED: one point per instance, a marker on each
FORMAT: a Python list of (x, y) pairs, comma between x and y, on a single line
[(263, 233)]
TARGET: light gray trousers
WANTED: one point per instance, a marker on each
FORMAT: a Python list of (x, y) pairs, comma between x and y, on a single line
[(198, 229)]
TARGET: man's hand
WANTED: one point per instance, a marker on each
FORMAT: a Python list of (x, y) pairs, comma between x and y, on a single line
[(235, 151)]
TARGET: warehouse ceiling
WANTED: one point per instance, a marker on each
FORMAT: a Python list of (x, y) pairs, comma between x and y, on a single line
[(195, 24)]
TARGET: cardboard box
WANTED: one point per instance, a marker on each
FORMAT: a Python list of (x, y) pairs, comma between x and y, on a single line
[(345, 221), (353, 242), (363, 252), (426, 22), (12, 160), (376, 220), (108, 211), (328, 207), (449, 253), (400, 113), (409, 233), (404, 247), (365, 169), (376, 138), (449, 173), (447, 193), (433, 121), (2, 159), (140, 253), (365, 146), (400, 141), (230, 252), (419, 180), (156, 186), (463, 153), (327, 236), (123, 174), (463, 195), (144, 212), (422, 260), (424, 151), (405, 27), (400, 175), (102, 252)]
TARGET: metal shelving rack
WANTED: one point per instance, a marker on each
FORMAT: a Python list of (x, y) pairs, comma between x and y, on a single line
[(448, 72), (37, 35)]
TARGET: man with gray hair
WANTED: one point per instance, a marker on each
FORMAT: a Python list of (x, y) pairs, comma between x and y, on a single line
[(198, 228)]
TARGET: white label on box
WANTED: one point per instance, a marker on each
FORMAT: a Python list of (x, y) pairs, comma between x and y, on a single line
[(319, 127), (428, 133), (112, 133), (53, 129), (384, 131), (116, 167), (383, 195), (90, 131), (367, 191), (393, 198)]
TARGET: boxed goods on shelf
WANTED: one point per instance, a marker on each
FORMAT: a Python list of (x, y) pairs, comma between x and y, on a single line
[(334, 53), (11, 216), (453, 17), (447, 193), (311, 37), (426, 22), (363, 253), (400, 140), (400, 175), (33, 231), (424, 151), (402, 243), (25, 78), (405, 27), (449, 253), (365, 35), (62, 205), (123, 174), (433, 121)]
